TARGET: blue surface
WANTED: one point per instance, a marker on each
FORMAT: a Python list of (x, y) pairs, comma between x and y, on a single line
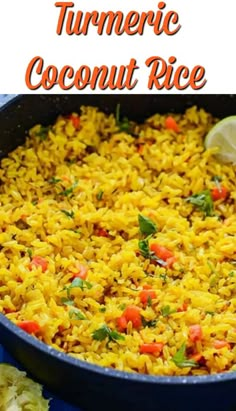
[(55, 403)]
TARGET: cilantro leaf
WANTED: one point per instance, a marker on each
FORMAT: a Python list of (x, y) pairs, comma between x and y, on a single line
[(69, 214), (67, 301), (166, 310), (150, 324), (181, 360), (54, 180), (124, 124), (43, 133), (146, 225), (78, 282), (76, 314), (105, 332), (29, 252), (100, 195), (69, 190), (203, 201)]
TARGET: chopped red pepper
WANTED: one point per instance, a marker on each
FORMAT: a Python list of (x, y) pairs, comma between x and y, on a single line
[(151, 348), (132, 313), (31, 327), (9, 310), (183, 307), (163, 253), (218, 344), (102, 232), (38, 261), (122, 323), (195, 333), (75, 120), (147, 294), (171, 124), (219, 193)]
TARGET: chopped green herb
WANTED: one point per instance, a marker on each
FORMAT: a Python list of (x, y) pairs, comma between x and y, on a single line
[(164, 277), (54, 180), (77, 283), (124, 124), (149, 301), (76, 314), (43, 133), (29, 252), (100, 195), (69, 190), (166, 310), (34, 202), (203, 201), (69, 214), (102, 309), (105, 332), (217, 180), (146, 225), (181, 360), (232, 274), (122, 307), (210, 313), (150, 324), (67, 301)]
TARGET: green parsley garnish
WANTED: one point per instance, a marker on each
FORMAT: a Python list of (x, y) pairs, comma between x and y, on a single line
[(69, 191), (67, 301), (69, 214), (164, 277), (181, 360), (77, 283), (166, 310), (232, 274), (29, 252), (105, 332), (210, 313), (100, 195), (54, 180), (146, 225), (124, 124), (43, 133), (102, 309), (150, 324), (203, 201), (76, 314)]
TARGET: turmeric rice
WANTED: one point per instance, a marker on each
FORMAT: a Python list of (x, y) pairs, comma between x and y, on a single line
[(118, 242)]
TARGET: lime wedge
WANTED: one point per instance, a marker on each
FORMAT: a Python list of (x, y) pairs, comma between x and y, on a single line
[(223, 136)]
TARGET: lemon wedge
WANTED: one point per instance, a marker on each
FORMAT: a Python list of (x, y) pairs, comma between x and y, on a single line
[(223, 136)]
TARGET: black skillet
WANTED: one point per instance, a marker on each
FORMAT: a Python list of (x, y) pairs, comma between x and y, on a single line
[(91, 387)]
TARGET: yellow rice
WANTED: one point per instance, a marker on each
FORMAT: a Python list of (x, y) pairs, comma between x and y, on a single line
[(153, 181)]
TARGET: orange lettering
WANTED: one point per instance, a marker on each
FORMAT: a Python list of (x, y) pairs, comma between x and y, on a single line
[(164, 75), (64, 6), (38, 62)]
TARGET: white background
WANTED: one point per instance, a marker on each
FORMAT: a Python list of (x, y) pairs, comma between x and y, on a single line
[(207, 37)]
